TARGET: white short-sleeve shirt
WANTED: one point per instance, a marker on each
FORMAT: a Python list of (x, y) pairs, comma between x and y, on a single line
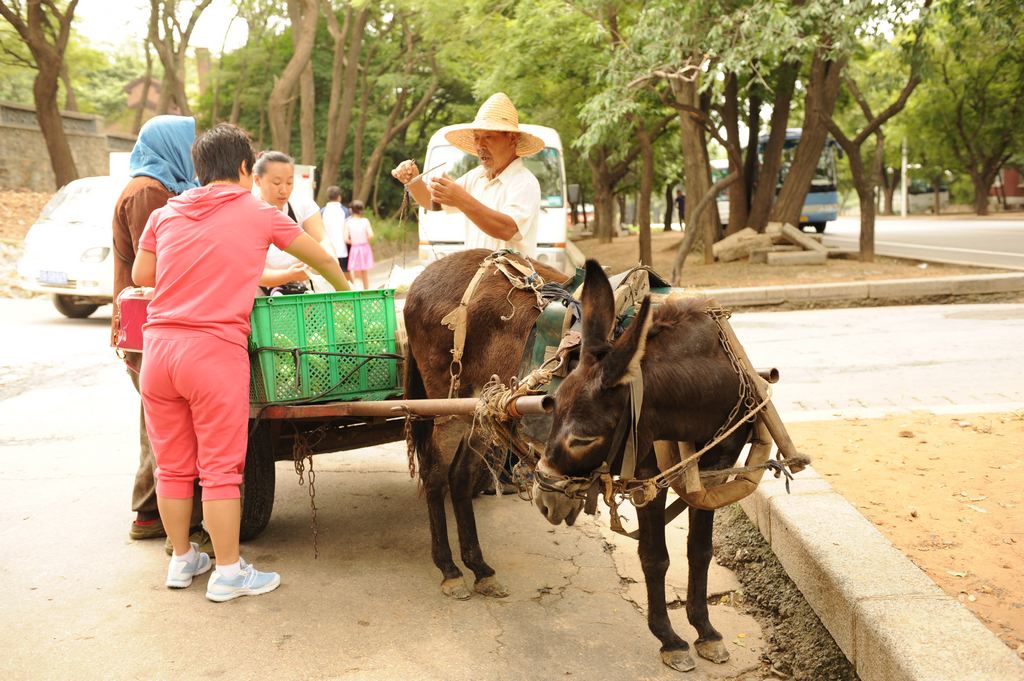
[(514, 192), (334, 226), (304, 208)]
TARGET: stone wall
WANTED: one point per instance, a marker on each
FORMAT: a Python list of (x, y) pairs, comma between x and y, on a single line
[(24, 160)]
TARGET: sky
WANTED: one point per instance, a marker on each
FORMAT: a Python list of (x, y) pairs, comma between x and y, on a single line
[(110, 24)]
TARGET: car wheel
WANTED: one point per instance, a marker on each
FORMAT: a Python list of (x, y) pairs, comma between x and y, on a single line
[(819, 227), (71, 308), (258, 483)]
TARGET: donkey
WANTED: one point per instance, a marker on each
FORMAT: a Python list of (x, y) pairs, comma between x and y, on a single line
[(447, 454), (690, 388)]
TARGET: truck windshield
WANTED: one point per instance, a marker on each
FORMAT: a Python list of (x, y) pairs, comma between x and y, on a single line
[(545, 165)]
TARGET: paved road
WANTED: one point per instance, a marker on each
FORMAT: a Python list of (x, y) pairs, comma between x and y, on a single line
[(993, 242), (88, 603)]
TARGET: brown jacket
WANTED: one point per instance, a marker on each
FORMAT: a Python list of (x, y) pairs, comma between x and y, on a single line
[(141, 197)]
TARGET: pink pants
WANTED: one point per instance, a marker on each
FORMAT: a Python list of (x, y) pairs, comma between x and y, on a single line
[(195, 390)]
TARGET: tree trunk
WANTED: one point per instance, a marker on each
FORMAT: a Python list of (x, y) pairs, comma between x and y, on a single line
[(982, 183), (357, 141), (289, 78), (695, 165), (643, 204), (604, 208), (669, 206), (236, 100), (691, 235), (343, 90), (307, 89), (44, 92), (146, 84), (70, 102), (818, 106), (768, 176), (391, 129), (45, 30), (750, 159), (738, 206)]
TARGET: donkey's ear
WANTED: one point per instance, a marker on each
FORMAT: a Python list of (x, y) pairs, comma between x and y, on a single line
[(622, 364), (598, 312)]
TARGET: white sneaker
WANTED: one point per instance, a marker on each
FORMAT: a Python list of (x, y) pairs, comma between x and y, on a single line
[(248, 582), (181, 572)]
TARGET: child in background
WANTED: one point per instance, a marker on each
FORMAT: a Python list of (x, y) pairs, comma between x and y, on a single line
[(358, 234), (203, 253), (334, 215)]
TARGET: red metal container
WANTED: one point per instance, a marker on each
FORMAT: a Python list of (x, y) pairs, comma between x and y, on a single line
[(131, 308)]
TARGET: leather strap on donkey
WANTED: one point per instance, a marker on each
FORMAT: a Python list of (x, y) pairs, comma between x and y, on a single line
[(520, 274)]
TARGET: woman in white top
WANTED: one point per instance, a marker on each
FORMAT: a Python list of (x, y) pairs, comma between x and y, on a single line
[(274, 177)]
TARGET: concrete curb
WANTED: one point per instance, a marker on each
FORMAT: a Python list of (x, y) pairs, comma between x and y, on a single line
[(889, 618), (869, 290)]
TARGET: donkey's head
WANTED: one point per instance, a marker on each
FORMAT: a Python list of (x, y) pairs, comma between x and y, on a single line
[(590, 401)]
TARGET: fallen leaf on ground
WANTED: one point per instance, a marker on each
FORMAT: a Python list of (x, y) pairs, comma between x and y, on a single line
[(906, 433), (956, 573)]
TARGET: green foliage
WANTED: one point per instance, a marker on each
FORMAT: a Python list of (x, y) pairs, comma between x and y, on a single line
[(967, 111)]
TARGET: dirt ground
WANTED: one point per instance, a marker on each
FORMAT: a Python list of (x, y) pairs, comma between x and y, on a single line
[(623, 253), (944, 489)]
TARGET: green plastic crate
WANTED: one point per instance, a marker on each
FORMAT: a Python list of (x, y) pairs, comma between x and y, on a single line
[(357, 322)]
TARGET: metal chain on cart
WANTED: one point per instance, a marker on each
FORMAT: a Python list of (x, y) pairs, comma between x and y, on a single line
[(302, 454)]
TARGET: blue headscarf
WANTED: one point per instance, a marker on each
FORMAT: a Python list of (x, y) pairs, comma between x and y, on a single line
[(164, 152)]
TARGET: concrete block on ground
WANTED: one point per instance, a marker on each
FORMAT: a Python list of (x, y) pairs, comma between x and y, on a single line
[(837, 558), (742, 248), (808, 257), (760, 255), (928, 639), (796, 236)]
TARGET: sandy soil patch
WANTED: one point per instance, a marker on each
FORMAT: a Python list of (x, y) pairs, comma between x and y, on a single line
[(946, 490)]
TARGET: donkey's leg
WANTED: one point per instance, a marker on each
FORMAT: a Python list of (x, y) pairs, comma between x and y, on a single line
[(709, 643), (654, 560), (462, 478), (434, 474)]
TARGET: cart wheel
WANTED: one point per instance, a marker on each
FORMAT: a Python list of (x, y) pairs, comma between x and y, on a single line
[(257, 483)]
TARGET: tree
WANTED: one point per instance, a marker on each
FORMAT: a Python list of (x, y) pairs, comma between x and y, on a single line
[(347, 39), (975, 100), (45, 28), (170, 40), (864, 177), (284, 87), (299, 14)]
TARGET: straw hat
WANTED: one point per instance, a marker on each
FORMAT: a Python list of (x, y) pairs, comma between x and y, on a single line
[(497, 113)]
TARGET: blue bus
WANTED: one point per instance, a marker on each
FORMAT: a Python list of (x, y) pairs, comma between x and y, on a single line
[(822, 203)]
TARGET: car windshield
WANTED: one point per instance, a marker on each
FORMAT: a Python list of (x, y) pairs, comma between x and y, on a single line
[(82, 202), (545, 165)]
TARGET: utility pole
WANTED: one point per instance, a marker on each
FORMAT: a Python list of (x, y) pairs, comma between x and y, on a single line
[(904, 199)]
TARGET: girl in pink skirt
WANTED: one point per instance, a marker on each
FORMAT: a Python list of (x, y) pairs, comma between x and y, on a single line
[(358, 234)]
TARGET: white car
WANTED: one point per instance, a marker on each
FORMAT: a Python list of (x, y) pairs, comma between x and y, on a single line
[(68, 251)]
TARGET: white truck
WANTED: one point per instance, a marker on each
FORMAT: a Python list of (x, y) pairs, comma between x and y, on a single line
[(442, 233)]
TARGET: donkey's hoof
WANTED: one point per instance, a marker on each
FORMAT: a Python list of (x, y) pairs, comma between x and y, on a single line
[(679, 660), (490, 587), (712, 650), (455, 588)]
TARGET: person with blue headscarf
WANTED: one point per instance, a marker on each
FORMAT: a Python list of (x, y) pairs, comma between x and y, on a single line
[(160, 167)]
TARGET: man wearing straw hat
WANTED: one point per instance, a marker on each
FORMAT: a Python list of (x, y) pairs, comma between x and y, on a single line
[(500, 198)]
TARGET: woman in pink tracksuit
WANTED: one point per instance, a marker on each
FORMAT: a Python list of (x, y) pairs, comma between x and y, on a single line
[(203, 253)]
